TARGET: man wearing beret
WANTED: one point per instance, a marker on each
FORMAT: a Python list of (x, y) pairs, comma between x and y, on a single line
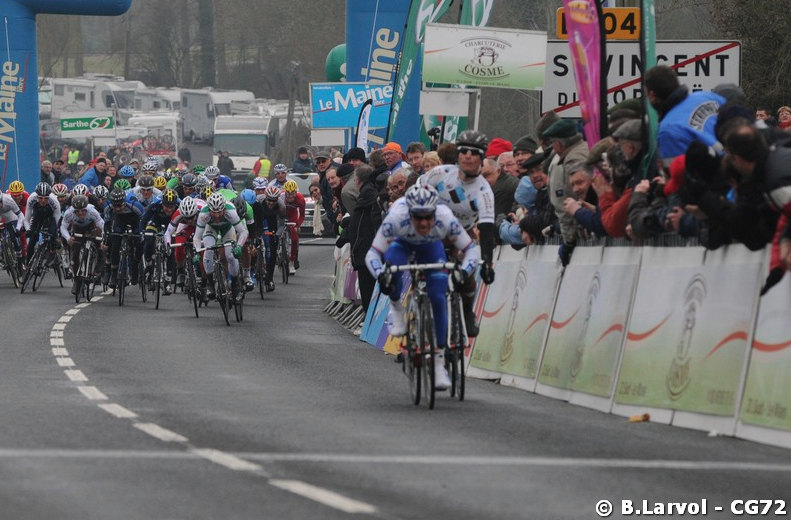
[(569, 148)]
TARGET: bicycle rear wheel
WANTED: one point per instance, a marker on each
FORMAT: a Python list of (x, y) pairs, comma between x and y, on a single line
[(9, 258), (412, 359), (428, 344)]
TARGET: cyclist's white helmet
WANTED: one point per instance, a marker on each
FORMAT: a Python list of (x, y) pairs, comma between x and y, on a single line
[(421, 199), (188, 207), (216, 202), (280, 168), (211, 172), (80, 189), (259, 183)]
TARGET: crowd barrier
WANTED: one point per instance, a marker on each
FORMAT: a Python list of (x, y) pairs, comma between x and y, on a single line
[(678, 333)]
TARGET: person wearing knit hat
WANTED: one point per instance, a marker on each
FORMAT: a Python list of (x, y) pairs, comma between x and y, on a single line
[(524, 148), (497, 146), (355, 156)]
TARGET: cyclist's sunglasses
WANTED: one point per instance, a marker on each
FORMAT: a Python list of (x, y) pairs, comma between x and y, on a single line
[(425, 216), (470, 149)]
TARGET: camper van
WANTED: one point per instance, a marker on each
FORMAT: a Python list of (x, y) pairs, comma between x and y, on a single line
[(200, 108), (94, 92), (244, 137), (158, 98), (161, 130)]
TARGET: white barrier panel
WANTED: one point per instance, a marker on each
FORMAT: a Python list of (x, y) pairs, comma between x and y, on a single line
[(651, 331), (536, 289), (342, 261), (723, 328), (494, 322), (766, 406), (602, 346)]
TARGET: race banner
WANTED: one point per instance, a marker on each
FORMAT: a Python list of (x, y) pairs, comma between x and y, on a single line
[(374, 32), (338, 105), (421, 13), (583, 20), (502, 58), (474, 13)]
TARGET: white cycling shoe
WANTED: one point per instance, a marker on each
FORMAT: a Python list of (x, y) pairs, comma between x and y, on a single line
[(396, 325), (441, 378)]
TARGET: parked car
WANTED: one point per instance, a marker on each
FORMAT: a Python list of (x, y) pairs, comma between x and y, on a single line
[(304, 180)]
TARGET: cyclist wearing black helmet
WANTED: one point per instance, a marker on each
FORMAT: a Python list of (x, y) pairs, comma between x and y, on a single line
[(43, 212), (158, 215), (119, 214), (465, 191)]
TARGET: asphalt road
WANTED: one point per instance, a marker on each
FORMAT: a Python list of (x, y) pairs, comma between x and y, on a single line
[(288, 416)]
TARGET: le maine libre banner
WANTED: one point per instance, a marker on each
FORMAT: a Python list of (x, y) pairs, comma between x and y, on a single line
[(19, 139), (338, 105)]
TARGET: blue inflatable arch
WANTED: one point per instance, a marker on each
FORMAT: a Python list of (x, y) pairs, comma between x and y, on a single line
[(19, 126)]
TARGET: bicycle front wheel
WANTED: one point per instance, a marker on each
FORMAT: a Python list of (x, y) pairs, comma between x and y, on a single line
[(221, 279), (260, 276), (158, 280), (456, 346), (192, 290), (412, 358), (428, 344)]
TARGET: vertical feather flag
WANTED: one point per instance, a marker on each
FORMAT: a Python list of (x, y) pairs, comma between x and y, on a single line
[(585, 43), (648, 58)]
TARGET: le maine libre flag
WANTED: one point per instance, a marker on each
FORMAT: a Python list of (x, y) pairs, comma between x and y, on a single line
[(421, 12), (362, 124), (586, 42)]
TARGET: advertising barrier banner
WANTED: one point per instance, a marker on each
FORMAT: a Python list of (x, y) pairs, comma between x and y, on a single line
[(502, 58), (588, 325), (767, 394), (499, 311), (687, 341), (534, 299)]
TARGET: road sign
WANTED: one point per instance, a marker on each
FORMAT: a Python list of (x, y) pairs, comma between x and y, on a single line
[(701, 65), (620, 23), (87, 124)]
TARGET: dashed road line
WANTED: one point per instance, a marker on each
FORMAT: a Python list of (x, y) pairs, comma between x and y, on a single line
[(225, 459)]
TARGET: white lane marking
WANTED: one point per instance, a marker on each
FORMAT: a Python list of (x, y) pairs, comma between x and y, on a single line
[(324, 496), (56, 333), (58, 326), (72, 312), (92, 393), (64, 320), (118, 411), (225, 459), (160, 433), (97, 454), (83, 305), (56, 342), (702, 465), (76, 375), (65, 362), (59, 351)]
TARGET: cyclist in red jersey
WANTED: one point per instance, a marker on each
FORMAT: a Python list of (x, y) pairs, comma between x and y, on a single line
[(295, 212)]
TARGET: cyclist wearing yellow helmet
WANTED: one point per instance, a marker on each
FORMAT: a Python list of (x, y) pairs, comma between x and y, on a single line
[(295, 212), (160, 182), (12, 215), (17, 191)]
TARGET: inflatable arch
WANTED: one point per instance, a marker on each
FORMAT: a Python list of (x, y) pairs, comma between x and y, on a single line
[(19, 127)]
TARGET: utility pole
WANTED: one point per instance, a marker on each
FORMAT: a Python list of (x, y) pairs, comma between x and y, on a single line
[(287, 148), (127, 46)]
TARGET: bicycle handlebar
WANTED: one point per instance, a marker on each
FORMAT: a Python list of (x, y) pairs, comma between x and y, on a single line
[(215, 247), (423, 267)]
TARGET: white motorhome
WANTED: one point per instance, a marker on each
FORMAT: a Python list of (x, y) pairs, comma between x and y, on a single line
[(94, 92), (161, 130), (245, 137), (200, 108), (158, 98)]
